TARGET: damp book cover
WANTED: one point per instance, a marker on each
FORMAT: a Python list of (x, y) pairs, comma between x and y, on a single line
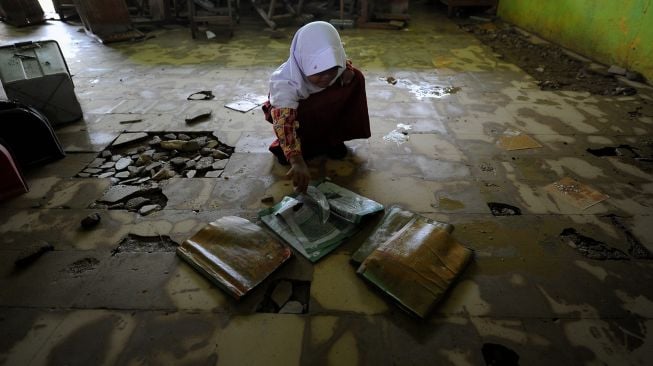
[(412, 259), (234, 253), (318, 222)]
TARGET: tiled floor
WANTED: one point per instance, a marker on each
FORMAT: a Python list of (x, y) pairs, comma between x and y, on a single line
[(526, 289)]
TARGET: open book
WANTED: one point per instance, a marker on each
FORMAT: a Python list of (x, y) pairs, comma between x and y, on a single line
[(316, 223)]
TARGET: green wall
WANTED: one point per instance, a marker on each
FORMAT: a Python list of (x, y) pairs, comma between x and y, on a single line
[(614, 32)]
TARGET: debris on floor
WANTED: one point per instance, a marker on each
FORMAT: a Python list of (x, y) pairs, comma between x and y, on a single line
[(300, 223), (143, 199), (141, 157), (235, 254), (198, 115), (286, 296), (145, 244), (516, 140), (577, 194), (636, 249), (589, 247), (553, 67), (201, 95), (247, 103), (90, 221), (398, 135), (414, 263), (83, 265), (503, 209), (32, 254)]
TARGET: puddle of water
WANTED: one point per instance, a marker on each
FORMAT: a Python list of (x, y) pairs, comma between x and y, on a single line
[(424, 90)]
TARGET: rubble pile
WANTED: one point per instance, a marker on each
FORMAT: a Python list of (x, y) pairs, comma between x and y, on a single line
[(147, 157)]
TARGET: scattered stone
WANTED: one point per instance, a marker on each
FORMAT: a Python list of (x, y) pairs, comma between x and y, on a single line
[(90, 221), (106, 175), (148, 209), (198, 115), (211, 144), (179, 161), (220, 164), (219, 154), (172, 144), (108, 165), (83, 175), (153, 166), (190, 164), (123, 175), (92, 170), (192, 146), (213, 174), (170, 136), (191, 173), (617, 70), (162, 174), (129, 137), (391, 80), (143, 180), (118, 193), (136, 203), (144, 159), (292, 307), (281, 293), (96, 163), (123, 163), (136, 170), (154, 141), (116, 157), (183, 137), (105, 154), (204, 163)]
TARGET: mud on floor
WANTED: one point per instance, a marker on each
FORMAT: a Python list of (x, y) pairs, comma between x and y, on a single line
[(552, 66)]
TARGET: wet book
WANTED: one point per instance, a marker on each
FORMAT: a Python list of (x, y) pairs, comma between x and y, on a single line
[(318, 224), (412, 259), (234, 253)]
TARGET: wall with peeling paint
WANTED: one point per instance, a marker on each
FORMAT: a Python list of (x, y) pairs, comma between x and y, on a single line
[(609, 31)]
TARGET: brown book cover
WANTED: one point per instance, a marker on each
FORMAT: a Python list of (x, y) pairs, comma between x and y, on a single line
[(234, 253)]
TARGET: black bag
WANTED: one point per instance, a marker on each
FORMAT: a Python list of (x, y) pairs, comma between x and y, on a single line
[(29, 134)]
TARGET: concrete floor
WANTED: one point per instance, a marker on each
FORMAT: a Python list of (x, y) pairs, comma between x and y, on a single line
[(526, 289)]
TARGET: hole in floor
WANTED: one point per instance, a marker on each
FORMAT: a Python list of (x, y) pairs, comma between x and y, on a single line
[(133, 243), (286, 296), (503, 209), (614, 151), (499, 355), (142, 199), (589, 247), (138, 157)]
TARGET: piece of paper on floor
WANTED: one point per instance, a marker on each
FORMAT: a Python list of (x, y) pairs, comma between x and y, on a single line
[(518, 142), (242, 105), (577, 194)]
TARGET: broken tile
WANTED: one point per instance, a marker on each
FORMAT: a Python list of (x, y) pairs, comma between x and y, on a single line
[(575, 193)]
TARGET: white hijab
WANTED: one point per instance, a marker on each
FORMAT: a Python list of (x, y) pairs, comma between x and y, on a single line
[(315, 47)]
